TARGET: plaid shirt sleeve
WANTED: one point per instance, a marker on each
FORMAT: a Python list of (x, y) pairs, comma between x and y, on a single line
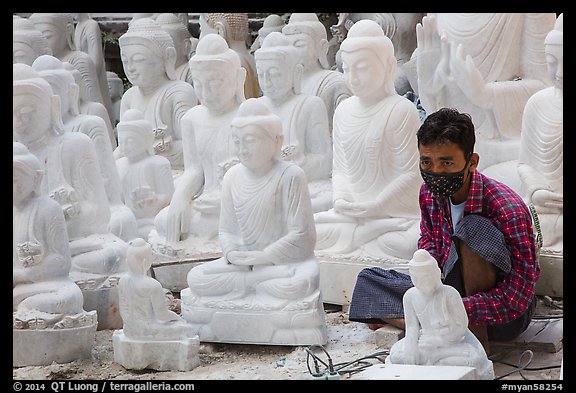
[(513, 294)]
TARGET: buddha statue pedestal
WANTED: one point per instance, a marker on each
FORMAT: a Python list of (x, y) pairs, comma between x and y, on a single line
[(161, 355), (338, 273), (101, 294), (70, 339), (250, 320), (551, 282)]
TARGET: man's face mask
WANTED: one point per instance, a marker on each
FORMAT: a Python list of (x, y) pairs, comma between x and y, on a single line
[(444, 184)]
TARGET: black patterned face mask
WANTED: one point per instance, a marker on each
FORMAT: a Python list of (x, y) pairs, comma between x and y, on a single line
[(444, 184)]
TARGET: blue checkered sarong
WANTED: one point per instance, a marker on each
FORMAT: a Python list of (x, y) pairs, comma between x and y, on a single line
[(378, 292)]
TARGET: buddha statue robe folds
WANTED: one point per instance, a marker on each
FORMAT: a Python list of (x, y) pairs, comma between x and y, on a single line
[(307, 140), (375, 176), (149, 57), (265, 288), (487, 65), (437, 331), (541, 162), (189, 225), (46, 303)]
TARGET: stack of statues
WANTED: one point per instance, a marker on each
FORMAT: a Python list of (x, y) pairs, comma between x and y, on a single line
[(263, 156)]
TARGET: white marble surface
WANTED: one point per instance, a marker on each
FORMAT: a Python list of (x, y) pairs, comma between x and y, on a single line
[(437, 331), (309, 36), (305, 125), (49, 321), (375, 176), (189, 225), (153, 336), (149, 58), (460, 65), (265, 289)]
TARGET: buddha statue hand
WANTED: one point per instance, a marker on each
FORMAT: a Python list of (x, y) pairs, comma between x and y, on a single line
[(29, 254), (64, 196), (162, 140), (225, 165), (433, 58), (143, 196), (294, 154)]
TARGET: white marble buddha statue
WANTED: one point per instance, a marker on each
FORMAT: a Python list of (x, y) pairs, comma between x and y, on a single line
[(49, 323), (399, 27), (146, 177), (143, 302), (58, 28), (88, 39), (307, 140), (272, 22), (265, 287), (309, 36), (41, 255), (87, 107), (72, 173), (234, 28), (487, 65), (437, 331), (152, 336), (148, 57), (122, 221), (375, 174), (184, 43), (116, 89), (541, 161), (190, 223), (27, 42)]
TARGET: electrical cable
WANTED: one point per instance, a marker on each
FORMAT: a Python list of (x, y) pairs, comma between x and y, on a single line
[(523, 366), (332, 369)]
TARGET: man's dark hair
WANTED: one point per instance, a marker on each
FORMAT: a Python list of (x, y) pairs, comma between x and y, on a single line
[(447, 125)]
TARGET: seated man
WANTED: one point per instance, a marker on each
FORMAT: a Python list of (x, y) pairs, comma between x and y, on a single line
[(436, 323), (268, 275), (479, 230)]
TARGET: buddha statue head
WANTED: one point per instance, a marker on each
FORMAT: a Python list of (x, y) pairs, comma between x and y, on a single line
[(27, 173), (256, 120), (180, 34), (309, 36), (62, 81), (147, 53), (27, 42), (139, 256), (135, 135), (58, 28), (554, 48), (217, 72), (367, 43), (231, 26), (35, 106), (277, 51)]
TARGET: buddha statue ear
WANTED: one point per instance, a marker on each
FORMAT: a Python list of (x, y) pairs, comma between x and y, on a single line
[(170, 62), (70, 36), (298, 71), (240, 80), (56, 115), (278, 146), (74, 97), (221, 30), (323, 53)]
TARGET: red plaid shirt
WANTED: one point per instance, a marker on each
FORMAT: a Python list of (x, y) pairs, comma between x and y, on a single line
[(508, 212)]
